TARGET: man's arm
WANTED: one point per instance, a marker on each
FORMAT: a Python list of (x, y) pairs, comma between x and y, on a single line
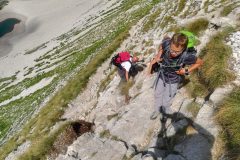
[(126, 75), (157, 58), (194, 66)]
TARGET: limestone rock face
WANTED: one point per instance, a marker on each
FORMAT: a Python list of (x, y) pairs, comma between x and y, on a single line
[(90, 147)]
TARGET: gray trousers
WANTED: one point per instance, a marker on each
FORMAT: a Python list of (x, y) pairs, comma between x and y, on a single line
[(164, 96), (121, 73)]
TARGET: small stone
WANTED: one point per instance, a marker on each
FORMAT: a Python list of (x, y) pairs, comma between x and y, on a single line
[(130, 152)]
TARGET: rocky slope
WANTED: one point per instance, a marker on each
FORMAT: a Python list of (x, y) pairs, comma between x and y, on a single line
[(124, 131)]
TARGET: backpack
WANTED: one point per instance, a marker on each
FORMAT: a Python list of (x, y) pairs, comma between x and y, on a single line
[(191, 38), (120, 58)]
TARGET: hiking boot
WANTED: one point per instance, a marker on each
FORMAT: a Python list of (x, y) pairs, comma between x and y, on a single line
[(154, 115)]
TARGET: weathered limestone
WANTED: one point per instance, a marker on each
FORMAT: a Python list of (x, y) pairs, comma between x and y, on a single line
[(90, 147)]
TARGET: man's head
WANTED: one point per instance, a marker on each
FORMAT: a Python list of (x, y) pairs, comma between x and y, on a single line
[(178, 43), (135, 59)]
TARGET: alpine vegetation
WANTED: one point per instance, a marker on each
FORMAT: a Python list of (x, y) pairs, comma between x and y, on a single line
[(128, 79)]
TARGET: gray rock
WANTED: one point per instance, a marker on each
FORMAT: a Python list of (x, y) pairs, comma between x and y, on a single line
[(90, 147), (199, 100), (135, 126), (204, 122), (219, 94), (195, 147), (181, 102), (137, 157), (175, 127), (130, 152)]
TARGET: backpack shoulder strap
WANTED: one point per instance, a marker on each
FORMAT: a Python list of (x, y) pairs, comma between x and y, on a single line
[(166, 45), (183, 56), (166, 51)]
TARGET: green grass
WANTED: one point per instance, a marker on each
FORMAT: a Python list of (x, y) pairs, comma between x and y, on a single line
[(181, 5), (196, 86), (215, 70), (228, 9), (206, 4), (151, 20), (168, 20), (12, 78), (193, 108), (106, 81), (228, 118), (105, 134), (47, 141), (41, 124), (197, 26), (125, 87), (216, 55)]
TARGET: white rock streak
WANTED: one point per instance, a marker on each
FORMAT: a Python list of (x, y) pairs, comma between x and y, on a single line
[(235, 45)]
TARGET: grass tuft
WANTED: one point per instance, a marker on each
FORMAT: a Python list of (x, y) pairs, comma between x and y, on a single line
[(228, 9), (193, 108), (216, 55), (228, 118), (181, 5), (196, 87), (197, 26), (151, 20)]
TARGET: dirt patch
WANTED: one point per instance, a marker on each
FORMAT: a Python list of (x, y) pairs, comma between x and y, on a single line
[(68, 136)]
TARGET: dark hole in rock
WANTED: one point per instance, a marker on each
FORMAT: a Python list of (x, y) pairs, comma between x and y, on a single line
[(68, 136), (81, 127)]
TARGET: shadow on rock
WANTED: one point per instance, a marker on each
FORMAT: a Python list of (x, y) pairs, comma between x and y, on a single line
[(180, 139)]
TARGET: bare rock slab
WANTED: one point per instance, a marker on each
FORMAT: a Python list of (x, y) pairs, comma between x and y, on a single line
[(89, 146)]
